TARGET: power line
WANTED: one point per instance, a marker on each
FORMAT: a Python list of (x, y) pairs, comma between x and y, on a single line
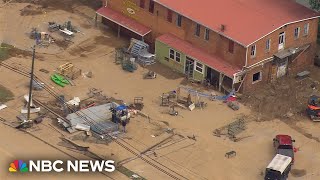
[(46, 142), (86, 119)]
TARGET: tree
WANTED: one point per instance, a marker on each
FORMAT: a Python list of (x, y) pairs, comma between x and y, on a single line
[(315, 4)]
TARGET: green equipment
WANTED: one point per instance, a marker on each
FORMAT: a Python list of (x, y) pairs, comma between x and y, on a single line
[(60, 80)]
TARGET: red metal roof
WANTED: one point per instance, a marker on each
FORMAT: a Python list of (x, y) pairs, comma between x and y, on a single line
[(187, 48), (124, 21), (245, 20)]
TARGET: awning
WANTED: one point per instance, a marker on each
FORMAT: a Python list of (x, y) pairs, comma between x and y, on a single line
[(200, 55), (123, 21), (290, 51)]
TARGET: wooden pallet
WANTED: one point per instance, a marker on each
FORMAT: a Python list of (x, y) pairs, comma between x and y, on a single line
[(66, 68)]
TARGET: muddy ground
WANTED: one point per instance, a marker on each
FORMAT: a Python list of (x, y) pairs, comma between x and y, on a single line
[(288, 96), (193, 152)]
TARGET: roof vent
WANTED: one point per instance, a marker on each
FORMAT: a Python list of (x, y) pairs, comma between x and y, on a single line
[(223, 27)]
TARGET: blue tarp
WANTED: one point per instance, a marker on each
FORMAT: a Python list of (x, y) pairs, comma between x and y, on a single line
[(121, 107)]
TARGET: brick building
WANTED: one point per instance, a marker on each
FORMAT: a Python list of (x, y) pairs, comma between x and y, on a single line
[(233, 44)]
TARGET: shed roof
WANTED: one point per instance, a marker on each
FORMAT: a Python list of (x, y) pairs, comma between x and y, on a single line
[(245, 21), (123, 21)]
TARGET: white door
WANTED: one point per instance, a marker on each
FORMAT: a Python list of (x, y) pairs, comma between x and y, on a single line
[(282, 69), (282, 39)]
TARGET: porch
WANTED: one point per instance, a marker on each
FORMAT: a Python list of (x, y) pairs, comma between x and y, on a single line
[(283, 60), (195, 63)]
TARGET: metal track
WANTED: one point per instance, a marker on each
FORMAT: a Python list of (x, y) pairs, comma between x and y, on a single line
[(173, 174)]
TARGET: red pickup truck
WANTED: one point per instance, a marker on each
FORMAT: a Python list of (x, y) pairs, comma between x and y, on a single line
[(284, 145)]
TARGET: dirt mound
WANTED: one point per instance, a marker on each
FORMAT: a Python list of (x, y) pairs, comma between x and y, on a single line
[(62, 43), (83, 48), (31, 10), (284, 98), (66, 5)]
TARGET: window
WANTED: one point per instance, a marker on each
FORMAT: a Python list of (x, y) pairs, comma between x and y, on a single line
[(179, 20), (268, 43), (253, 50), (169, 16), (174, 55), (171, 54), (306, 29), (206, 34), (151, 6), (199, 67), (281, 40), (197, 31), (296, 32), (256, 77), (178, 56), (231, 46), (142, 3)]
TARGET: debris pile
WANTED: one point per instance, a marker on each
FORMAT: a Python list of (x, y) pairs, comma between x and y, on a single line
[(139, 50), (65, 74), (97, 94), (176, 98), (286, 96), (67, 5), (231, 130), (95, 118), (137, 103), (33, 108), (126, 60), (31, 10), (68, 70), (150, 75), (43, 39)]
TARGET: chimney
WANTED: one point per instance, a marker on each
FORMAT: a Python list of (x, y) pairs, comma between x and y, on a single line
[(223, 27)]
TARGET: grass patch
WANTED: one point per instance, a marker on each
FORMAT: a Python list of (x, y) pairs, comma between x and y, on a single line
[(129, 173), (4, 51), (5, 94), (7, 51)]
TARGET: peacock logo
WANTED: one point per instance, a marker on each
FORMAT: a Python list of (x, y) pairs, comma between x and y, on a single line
[(18, 164)]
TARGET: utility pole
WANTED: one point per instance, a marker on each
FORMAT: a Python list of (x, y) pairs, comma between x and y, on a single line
[(31, 82)]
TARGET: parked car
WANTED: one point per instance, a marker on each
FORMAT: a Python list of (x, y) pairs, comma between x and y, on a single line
[(278, 168), (284, 145)]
